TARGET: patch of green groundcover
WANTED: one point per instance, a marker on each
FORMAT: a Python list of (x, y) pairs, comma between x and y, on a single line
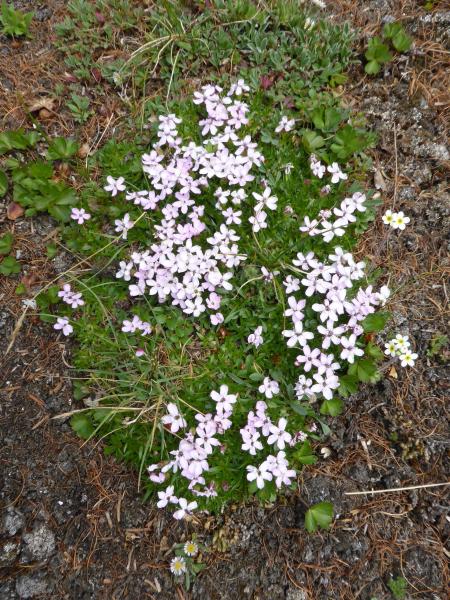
[(292, 67)]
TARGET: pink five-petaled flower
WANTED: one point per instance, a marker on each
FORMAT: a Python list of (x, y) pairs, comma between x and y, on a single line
[(70, 297), (269, 387), (216, 319), (318, 169), (259, 475), (256, 338), (279, 436), (79, 215), (123, 225), (63, 324), (223, 399), (206, 439), (173, 419), (155, 477), (297, 335), (350, 350), (295, 310), (185, 508), (309, 358), (336, 173), (166, 496), (265, 200), (285, 124), (114, 185), (258, 221)]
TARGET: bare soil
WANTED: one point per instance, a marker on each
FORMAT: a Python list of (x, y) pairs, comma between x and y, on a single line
[(73, 524)]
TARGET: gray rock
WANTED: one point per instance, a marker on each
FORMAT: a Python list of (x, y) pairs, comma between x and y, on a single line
[(295, 594), (8, 591), (40, 543), (13, 521), (8, 553), (30, 586)]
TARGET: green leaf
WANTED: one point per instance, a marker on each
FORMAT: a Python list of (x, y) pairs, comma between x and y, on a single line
[(374, 351), (402, 42), (375, 321), (372, 67), (21, 289), (319, 515), (398, 587), (365, 370), (332, 407), (6, 242), (303, 410), (304, 455), (256, 377), (40, 170), (348, 385), (311, 140), (82, 425), (52, 251), (3, 184), (9, 266), (349, 141), (60, 213), (15, 22), (326, 119), (390, 30), (197, 567), (61, 148), (396, 33), (377, 51), (17, 140)]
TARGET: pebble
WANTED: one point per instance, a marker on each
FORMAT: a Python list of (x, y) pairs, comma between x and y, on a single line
[(40, 543)]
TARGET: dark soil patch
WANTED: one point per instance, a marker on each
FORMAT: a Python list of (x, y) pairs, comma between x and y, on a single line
[(74, 526)]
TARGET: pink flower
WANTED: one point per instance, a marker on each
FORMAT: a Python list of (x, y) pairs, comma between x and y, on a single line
[(259, 475), (350, 350), (114, 185), (269, 387), (79, 215), (216, 319), (285, 124), (279, 435), (63, 324), (256, 338), (166, 496), (265, 200), (223, 399), (186, 508), (124, 225), (173, 418), (336, 173)]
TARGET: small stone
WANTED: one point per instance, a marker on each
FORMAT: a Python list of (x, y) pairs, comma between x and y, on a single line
[(40, 543), (30, 586), (13, 522), (8, 553), (44, 114)]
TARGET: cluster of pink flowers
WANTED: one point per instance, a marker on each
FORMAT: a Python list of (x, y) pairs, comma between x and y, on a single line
[(340, 317), (67, 295), (194, 275), (74, 300), (193, 272), (191, 457), (136, 324), (345, 214), (176, 268)]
